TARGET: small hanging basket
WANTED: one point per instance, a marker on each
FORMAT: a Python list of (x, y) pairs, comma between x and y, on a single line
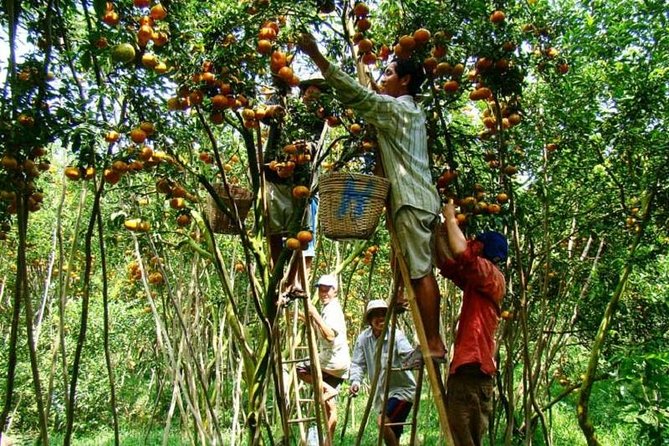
[(220, 222), (351, 204)]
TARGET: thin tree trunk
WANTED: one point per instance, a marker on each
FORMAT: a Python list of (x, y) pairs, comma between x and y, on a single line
[(582, 409)]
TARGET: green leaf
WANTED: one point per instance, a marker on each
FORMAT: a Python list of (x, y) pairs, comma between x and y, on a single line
[(100, 7)]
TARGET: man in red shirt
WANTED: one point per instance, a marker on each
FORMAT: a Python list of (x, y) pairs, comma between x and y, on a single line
[(472, 266)]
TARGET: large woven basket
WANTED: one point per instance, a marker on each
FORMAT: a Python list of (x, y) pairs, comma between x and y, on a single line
[(351, 204), (220, 222)]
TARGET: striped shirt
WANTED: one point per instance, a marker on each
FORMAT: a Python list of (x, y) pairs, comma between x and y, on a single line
[(402, 383), (402, 137)]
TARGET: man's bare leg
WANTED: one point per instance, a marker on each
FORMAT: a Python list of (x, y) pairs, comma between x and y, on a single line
[(389, 437), (428, 300)]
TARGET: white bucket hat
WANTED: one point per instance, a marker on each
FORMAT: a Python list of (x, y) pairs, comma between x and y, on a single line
[(375, 304)]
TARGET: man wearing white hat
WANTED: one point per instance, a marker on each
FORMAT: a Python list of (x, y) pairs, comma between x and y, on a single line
[(402, 386), (333, 352)]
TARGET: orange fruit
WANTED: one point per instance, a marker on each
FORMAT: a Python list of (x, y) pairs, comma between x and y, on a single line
[(363, 24), (293, 244), (158, 12), (112, 176), (286, 74), (73, 173), (111, 18), (112, 136), (183, 220), (497, 17), (301, 192), (407, 42), (480, 94), (361, 9), (430, 64), (137, 135), (369, 58), (355, 128), (421, 36), (305, 236), (502, 198), (177, 203), (147, 127), (451, 86), (267, 33), (443, 68), (365, 45), (264, 46)]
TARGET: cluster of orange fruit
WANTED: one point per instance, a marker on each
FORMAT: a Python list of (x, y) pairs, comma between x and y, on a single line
[(141, 157), (23, 173), (279, 61), (369, 254), (147, 31), (474, 204), (135, 273), (297, 154), (262, 113), (219, 90), (300, 241), (178, 199)]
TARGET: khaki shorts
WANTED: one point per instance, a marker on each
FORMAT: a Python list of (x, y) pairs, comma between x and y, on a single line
[(415, 232)]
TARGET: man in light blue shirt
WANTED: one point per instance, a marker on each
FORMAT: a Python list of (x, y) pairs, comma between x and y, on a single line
[(402, 385)]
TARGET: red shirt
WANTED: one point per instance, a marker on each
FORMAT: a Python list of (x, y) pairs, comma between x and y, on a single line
[(483, 287)]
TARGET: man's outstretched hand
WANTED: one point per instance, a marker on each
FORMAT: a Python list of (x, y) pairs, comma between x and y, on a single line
[(307, 44)]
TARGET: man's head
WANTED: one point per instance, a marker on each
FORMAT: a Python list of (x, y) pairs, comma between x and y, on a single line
[(495, 247), (375, 315), (402, 76), (327, 288), (311, 89)]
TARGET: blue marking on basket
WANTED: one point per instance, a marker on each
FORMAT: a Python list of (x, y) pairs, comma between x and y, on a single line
[(355, 199)]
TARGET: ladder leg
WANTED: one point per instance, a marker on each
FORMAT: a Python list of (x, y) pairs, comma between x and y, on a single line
[(433, 373)]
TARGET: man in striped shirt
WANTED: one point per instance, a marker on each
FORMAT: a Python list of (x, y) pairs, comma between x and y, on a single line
[(401, 130)]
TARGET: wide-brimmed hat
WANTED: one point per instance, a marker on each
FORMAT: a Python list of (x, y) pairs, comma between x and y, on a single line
[(375, 304), (495, 247)]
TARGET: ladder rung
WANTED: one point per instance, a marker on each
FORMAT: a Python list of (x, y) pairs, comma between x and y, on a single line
[(293, 361), (403, 423), (305, 400), (301, 420)]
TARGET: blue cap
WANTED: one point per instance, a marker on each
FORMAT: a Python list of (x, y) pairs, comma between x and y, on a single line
[(495, 247)]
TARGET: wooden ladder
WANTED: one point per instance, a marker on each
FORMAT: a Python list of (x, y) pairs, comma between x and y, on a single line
[(317, 403), (386, 388), (433, 374)]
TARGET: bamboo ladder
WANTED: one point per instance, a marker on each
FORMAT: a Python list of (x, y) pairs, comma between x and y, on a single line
[(391, 316), (317, 404), (386, 387), (434, 377)]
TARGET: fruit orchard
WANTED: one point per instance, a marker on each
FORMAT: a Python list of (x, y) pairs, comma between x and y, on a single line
[(123, 123)]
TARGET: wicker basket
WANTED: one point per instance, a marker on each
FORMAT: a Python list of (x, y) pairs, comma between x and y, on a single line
[(351, 204), (220, 222)]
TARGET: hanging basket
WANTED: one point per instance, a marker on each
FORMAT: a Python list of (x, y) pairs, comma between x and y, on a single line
[(351, 204), (220, 222)]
